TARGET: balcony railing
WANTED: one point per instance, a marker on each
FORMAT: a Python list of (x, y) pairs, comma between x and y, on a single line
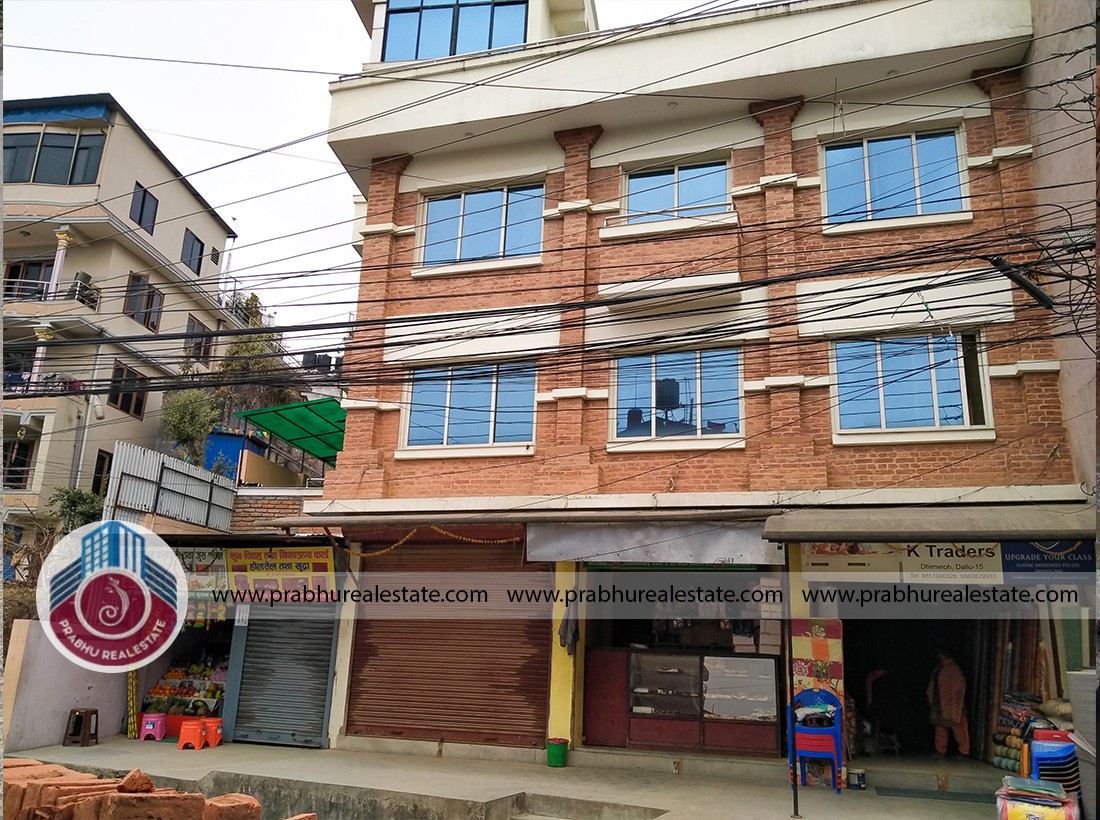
[(52, 384), (27, 290), (18, 476)]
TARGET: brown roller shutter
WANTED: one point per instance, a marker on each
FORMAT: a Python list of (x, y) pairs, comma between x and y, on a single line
[(471, 681)]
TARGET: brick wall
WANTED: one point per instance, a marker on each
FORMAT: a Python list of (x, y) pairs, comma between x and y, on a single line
[(248, 509), (788, 430)]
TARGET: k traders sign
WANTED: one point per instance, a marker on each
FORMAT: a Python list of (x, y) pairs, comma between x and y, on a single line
[(942, 563)]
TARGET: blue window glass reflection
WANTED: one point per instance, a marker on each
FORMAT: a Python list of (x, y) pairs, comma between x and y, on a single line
[(428, 29), (687, 190), (428, 410), (938, 171), (482, 404), (893, 177), (503, 222), (666, 395), (908, 383)]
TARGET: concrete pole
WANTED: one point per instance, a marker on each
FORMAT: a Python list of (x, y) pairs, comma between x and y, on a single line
[(63, 240)]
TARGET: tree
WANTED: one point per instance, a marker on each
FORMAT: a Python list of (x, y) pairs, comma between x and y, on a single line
[(187, 416), (254, 364), (75, 507)]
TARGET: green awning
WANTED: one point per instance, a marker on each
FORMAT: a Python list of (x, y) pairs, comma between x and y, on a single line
[(315, 427)]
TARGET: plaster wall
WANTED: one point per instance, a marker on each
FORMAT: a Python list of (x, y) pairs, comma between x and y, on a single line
[(41, 686)]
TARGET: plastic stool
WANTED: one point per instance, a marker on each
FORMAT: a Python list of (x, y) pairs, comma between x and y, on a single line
[(82, 727), (154, 726), (213, 728), (193, 734)]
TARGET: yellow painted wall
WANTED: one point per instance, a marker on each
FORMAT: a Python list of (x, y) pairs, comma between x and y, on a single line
[(797, 585), (562, 664)]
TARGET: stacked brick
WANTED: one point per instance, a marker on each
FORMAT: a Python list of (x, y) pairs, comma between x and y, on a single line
[(43, 791)]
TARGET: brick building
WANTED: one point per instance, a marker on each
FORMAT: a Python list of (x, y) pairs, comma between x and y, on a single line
[(679, 295)]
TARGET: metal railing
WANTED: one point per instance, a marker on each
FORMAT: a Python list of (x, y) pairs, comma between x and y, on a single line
[(27, 290), (18, 477)]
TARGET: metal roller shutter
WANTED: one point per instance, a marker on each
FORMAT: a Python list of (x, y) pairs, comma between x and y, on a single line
[(285, 681), (472, 681)]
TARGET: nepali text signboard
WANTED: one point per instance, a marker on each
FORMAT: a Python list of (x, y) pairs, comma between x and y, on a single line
[(281, 569)]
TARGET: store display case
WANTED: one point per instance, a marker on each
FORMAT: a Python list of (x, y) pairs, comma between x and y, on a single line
[(695, 701)]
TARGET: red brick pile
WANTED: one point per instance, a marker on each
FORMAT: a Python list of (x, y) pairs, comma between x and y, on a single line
[(44, 791)]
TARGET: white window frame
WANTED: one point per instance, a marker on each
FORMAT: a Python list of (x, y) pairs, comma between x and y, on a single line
[(871, 223), (459, 265), (914, 435), (408, 451), (698, 441)]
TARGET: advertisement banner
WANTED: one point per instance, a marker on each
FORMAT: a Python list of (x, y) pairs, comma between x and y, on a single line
[(281, 568), (205, 568), (961, 563)]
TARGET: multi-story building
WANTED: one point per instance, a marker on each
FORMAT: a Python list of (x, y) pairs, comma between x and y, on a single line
[(113, 256), (677, 296)]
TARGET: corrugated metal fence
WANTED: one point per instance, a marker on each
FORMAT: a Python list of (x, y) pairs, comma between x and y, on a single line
[(144, 481)]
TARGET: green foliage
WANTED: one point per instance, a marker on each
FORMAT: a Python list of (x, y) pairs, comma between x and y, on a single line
[(187, 416), (75, 507), (20, 603), (254, 364)]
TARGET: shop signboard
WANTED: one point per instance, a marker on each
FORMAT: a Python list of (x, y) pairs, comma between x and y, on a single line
[(284, 569), (205, 568), (1022, 557), (941, 563)]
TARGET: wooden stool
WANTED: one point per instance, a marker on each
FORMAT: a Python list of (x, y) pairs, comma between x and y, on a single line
[(82, 728), (193, 734)]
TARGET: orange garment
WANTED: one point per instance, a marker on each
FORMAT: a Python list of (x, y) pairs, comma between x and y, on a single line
[(946, 693), (962, 737), (950, 682)]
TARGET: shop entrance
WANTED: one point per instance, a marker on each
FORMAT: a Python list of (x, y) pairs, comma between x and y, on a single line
[(887, 668)]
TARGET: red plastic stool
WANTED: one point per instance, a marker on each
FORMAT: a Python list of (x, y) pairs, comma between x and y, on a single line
[(193, 734), (154, 725), (213, 728)]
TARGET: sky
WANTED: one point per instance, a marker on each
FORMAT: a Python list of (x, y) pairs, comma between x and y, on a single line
[(201, 116)]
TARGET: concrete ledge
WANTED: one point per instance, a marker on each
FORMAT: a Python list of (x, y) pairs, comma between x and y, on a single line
[(432, 748)]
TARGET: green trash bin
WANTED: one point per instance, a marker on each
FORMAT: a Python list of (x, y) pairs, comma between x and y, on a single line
[(557, 748)]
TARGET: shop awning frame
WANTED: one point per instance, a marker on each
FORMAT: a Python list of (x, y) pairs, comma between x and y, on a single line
[(315, 427), (940, 523)]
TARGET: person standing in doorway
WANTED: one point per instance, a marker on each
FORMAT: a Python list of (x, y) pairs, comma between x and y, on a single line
[(946, 691)]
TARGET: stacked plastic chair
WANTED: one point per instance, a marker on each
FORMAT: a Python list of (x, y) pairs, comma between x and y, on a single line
[(1055, 761), (813, 742)]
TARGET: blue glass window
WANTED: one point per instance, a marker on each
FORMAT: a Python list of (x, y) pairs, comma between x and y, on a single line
[(686, 190), (490, 224), (909, 382), (893, 177), (681, 395), (481, 404), (426, 29)]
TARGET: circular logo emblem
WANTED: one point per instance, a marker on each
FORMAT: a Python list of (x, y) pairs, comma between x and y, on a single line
[(112, 596)]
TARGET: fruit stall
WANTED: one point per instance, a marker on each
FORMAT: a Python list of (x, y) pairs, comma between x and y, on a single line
[(197, 690)]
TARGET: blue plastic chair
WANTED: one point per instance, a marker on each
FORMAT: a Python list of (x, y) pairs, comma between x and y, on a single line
[(817, 743)]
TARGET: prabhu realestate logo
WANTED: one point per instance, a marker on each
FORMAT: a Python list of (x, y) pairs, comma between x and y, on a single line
[(112, 596)]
